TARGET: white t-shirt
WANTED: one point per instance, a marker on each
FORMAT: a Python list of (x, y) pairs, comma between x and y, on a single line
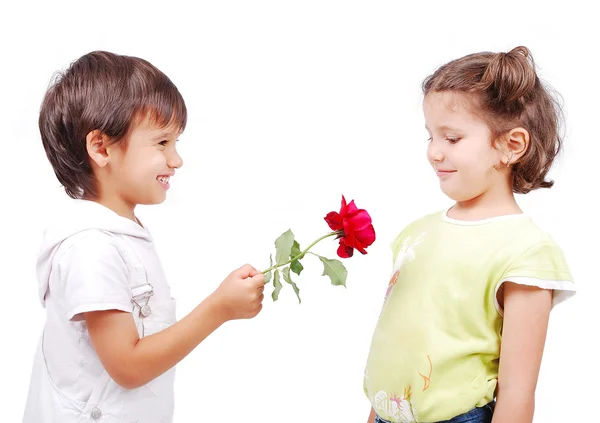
[(91, 260)]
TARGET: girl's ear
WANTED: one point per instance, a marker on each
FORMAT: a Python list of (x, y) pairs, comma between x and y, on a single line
[(516, 144), (96, 144)]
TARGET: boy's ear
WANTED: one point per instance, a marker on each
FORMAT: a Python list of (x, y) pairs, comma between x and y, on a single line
[(516, 144), (96, 144)]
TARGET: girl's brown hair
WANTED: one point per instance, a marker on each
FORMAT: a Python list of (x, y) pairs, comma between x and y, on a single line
[(106, 92), (507, 93)]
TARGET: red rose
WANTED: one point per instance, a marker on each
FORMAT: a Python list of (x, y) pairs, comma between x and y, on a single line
[(355, 228)]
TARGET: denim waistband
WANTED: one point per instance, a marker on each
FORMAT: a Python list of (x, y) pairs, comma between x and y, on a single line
[(476, 415)]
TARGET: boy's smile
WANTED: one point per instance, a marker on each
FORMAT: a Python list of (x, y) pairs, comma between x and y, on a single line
[(138, 170)]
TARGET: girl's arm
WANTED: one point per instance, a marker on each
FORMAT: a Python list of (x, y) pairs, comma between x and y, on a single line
[(132, 362), (526, 314), (371, 416)]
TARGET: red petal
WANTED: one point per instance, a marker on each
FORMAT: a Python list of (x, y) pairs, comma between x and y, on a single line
[(360, 219), (351, 207), (366, 236), (348, 238), (349, 251), (344, 251), (359, 246), (343, 210), (334, 220)]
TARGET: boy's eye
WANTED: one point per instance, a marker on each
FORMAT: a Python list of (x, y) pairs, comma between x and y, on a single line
[(164, 143), (452, 140)]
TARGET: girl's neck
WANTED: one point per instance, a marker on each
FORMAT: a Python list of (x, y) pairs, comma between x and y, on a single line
[(486, 206)]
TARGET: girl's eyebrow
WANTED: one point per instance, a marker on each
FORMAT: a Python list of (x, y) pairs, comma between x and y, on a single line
[(444, 128)]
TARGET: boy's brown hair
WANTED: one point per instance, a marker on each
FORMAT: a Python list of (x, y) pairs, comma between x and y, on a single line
[(507, 93), (106, 92)]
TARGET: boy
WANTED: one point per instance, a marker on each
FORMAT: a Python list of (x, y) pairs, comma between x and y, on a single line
[(109, 126)]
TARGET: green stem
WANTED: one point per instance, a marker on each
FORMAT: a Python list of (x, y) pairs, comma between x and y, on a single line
[(301, 254)]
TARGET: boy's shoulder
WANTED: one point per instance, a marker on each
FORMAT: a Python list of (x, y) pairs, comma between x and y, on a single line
[(92, 242), (90, 226)]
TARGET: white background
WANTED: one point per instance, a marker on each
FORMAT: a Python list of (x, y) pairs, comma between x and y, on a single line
[(291, 105)]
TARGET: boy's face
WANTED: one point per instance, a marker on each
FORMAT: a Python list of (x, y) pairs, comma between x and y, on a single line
[(141, 167), (460, 148)]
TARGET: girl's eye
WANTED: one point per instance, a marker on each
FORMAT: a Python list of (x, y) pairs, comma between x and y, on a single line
[(163, 143), (430, 139), (452, 140)]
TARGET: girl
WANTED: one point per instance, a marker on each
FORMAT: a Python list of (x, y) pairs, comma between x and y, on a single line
[(462, 329)]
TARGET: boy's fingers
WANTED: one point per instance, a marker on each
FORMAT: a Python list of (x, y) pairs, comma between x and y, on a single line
[(258, 281), (246, 271)]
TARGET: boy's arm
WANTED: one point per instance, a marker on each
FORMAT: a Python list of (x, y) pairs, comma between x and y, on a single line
[(526, 315), (133, 362)]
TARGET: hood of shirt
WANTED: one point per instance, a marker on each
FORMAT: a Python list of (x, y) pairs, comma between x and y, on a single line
[(78, 216)]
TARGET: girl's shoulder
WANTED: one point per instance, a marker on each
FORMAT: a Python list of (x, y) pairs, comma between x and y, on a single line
[(417, 227), (424, 221)]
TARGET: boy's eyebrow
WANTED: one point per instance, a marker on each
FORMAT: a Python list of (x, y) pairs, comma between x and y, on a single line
[(164, 134)]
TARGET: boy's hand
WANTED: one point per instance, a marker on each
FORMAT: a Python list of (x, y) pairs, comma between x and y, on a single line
[(240, 295), (132, 362)]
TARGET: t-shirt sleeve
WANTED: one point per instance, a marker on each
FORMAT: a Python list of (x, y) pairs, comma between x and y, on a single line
[(544, 266), (94, 277), (395, 246)]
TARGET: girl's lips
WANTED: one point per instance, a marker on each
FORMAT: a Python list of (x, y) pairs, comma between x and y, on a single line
[(444, 173)]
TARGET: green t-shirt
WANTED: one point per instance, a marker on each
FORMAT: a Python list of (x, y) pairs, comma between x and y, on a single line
[(436, 347)]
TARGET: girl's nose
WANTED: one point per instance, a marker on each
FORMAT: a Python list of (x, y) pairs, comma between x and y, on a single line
[(435, 152)]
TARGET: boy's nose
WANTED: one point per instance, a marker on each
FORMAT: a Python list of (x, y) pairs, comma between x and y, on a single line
[(175, 161)]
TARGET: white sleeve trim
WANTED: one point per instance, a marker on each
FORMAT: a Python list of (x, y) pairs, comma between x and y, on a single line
[(84, 308), (562, 290)]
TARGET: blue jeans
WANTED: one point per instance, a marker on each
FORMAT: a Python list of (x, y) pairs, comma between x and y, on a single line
[(476, 415)]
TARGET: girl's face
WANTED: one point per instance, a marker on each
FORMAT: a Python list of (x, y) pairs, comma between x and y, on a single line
[(460, 148)]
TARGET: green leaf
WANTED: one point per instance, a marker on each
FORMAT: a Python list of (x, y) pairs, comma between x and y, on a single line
[(277, 285), (288, 279), (335, 270), (268, 274), (295, 250), (283, 246), (295, 265)]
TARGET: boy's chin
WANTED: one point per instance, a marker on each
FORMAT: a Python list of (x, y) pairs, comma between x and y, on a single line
[(160, 200), (152, 201)]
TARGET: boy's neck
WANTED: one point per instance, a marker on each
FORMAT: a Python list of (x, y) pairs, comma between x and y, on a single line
[(119, 206)]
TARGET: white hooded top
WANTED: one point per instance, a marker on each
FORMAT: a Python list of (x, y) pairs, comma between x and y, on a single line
[(93, 259), (81, 216)]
